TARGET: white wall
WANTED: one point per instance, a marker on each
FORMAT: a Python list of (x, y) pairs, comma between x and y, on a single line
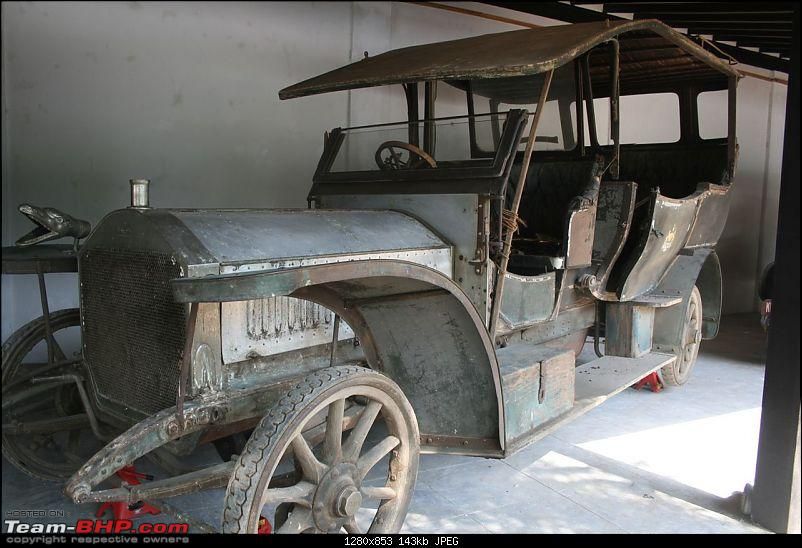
[(186, 94), (747, 244)]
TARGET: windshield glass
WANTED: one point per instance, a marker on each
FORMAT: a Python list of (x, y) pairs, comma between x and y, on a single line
[(399, 145), (557, 127)]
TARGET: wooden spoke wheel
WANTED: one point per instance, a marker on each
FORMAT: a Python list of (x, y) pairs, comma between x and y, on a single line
[(679, 371), (365, 476), (46, 431)]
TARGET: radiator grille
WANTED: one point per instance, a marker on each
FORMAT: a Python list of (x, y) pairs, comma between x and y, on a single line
[(133, 330)]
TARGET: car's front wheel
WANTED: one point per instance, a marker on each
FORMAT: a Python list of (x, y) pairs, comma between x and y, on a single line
[(359, 482)]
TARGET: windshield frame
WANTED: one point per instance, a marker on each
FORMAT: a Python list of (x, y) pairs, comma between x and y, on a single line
[(485, 179)]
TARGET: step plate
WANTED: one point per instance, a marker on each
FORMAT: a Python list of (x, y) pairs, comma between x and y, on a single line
[(609, 375)]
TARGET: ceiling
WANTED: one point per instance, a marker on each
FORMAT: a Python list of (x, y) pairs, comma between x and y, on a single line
[(754, 33)]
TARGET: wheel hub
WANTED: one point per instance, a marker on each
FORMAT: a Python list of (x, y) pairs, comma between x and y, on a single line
[(337, 498), (348, 502)]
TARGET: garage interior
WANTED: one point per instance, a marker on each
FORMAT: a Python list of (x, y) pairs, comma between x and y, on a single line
[(186, 95)]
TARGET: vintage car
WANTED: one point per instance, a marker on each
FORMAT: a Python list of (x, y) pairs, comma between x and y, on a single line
[(432, 298)]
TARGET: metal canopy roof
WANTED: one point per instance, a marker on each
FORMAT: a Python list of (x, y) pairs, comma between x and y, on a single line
[(755, 33), (649, 49)]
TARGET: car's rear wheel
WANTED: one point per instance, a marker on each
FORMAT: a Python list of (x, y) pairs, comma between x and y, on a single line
[(338, 479), (679, 371)]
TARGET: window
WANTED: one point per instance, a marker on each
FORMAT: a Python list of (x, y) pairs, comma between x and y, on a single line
[(712, 107), (652, 118), (644, 119), (556, 129)]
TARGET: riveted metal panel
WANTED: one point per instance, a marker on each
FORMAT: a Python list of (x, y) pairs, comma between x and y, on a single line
[(134, 330), (458, 218), (238, 237), (527, 299), (279, 324)]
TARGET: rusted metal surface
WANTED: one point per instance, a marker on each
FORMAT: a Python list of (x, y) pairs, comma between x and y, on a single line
[(145, 436), (613, 221), (581, 227), (629, 327), (396, 334), (515, 53), (461, 219), (242, 237), (538, 386), (460, 445), (148, 435), (698, 267), (279, 324), (660, 239), (207, 373), (569, 320), (123, 269), (713, 204), (709, 283), (527, 299)]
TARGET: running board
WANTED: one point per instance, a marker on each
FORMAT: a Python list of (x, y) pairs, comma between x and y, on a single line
[(598, 380), (595, 382)]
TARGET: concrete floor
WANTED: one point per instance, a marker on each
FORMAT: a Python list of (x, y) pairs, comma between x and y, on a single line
[(671, 462)]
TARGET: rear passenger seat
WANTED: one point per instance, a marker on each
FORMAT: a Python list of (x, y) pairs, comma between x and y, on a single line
[(676, 171), (552, 185)]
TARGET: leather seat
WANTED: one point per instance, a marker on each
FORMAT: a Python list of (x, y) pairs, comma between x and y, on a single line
[(675, 170)]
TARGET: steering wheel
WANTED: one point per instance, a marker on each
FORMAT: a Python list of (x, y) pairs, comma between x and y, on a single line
[(416, 157)]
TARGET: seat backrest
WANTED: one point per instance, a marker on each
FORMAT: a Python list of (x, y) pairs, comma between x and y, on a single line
[(676, 170), (550, 188)]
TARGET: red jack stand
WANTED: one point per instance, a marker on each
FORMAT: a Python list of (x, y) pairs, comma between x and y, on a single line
[(121, 509), (652, 380), (264, 526)]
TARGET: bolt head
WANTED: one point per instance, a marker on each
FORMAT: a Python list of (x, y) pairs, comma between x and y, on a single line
[(349, 501)]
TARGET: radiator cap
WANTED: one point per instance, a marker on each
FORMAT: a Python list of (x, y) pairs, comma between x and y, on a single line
[(139, 193)]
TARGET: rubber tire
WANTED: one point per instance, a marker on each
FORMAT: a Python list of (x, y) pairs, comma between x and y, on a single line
[(259, 454), (671, 374), (16, 347)]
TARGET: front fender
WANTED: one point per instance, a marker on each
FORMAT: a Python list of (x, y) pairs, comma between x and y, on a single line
[(415, 325)]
